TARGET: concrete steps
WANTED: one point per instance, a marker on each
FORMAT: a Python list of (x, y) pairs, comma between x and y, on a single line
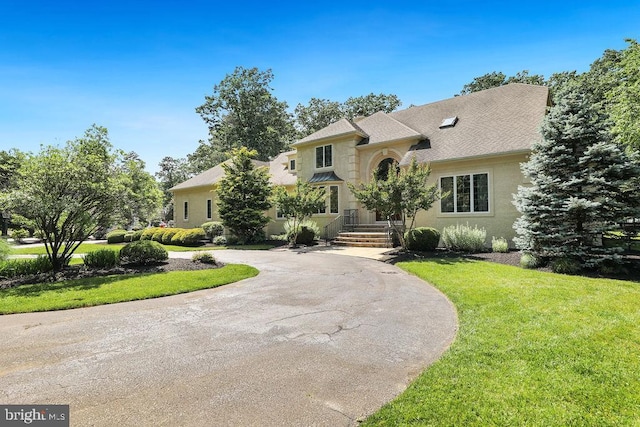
[(364, 236)]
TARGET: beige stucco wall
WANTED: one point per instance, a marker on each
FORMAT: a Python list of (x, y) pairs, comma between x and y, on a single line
[(197, 199), (504, 178)]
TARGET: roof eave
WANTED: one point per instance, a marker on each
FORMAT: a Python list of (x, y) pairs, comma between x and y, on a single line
[(329, 138)]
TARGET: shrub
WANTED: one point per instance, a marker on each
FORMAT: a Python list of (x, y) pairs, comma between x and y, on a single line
[(102, 258), (193, 236), (116, 236), (148, 233), (25, 267), (307, 232), (213, 229), (464, 238), (143, 252), (136, 235), (177, 238), (157, 236), (220, 240), (4, 249), (422, 239), (499, 245), (232, 240), (528, 260), (19, 234), (203, 257), (168, 235), (566, 265)]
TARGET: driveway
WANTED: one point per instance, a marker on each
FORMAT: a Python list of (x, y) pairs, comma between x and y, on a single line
[(314, 339)]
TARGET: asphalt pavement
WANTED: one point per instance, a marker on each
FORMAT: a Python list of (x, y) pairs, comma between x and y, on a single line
[(316, 339)]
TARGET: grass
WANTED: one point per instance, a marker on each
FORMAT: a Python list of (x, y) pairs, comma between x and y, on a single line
[(117, 288), (533, 348), (88, 247)]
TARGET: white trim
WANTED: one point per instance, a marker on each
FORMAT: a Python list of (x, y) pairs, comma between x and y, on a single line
[(324, 160), (454, 175), (208, 208)]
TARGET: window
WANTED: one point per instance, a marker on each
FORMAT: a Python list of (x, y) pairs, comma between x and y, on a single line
[(333, 199), (209, 208), (186, 211), (324, 158), (323, 209), (292, 164), (467, 193)]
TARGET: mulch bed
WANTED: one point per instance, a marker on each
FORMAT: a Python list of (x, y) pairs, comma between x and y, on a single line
[(80, 272)]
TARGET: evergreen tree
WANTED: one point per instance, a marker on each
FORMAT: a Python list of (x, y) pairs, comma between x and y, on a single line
[(580, 187), (244, 196)]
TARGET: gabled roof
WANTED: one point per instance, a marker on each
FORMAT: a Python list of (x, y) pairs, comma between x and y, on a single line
[(342, 127), (382, 127), (501, 120), (278, 174)]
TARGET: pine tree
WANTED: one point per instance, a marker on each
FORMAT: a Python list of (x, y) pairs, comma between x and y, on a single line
[(244, 196), (580, 187)]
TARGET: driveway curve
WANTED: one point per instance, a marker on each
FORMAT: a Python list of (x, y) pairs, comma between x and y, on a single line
[(314, 339)]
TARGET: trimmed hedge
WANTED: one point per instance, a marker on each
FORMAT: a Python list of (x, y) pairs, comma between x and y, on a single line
[(116, 236), (102, 258), (143, 252), (213, 229), (148, 233), (422, 239), (168, 235)]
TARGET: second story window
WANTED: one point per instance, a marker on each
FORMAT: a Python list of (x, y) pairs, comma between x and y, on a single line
[(324, 157)]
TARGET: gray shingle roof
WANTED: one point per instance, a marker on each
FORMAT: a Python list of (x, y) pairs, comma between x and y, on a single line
[(340, 128), (500, 120), (382, 127), (278, 173)]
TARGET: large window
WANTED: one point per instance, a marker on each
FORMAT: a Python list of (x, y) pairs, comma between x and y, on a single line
[(324, 157), (332, 201), (467, 193)]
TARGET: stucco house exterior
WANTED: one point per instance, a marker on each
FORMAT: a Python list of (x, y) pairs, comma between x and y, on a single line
[(473, 143)]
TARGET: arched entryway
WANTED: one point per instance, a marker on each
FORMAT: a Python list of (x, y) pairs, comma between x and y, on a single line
[(386, 166)]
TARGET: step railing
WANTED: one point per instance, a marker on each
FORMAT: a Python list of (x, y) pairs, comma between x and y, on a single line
[(332, 229)]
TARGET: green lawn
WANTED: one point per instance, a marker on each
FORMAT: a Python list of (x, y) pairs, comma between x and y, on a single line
[(112, 289), (88, 247), (534, 348)]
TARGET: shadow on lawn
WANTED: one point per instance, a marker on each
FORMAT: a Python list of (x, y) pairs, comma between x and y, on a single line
[(34, 290)]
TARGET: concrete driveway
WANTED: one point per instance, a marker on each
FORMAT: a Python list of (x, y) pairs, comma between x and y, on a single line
[(314, 339)]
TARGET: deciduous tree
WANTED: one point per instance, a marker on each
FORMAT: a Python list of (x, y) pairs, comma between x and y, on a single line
[(399, 195), (298, 205)]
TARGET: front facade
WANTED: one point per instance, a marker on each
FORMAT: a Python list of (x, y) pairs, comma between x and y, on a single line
[(473, 143)]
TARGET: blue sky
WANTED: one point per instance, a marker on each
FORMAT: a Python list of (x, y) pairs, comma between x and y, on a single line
[(140, 68)]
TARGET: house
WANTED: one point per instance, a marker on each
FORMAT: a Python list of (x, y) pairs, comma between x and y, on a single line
[(473, 143)]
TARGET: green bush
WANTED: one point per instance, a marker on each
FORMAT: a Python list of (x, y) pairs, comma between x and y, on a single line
[(168, 235), (157, 236), (143, 252), (203, 257), (193, 236), (307, 232), (530, 261), (19, 234), (177, 238), (102, 258), (25, 267), (4, 249), (463, 238), (213, 229), (220, 241), (422, 239), (133, 236), (566, 265), (116, 236), (147, 233), (499, 245)]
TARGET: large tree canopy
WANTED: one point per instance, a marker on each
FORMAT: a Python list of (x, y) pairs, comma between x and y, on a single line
[(495, 79), (68, 192), (242, 111), (171, 173), (141, 197), (624, 97)]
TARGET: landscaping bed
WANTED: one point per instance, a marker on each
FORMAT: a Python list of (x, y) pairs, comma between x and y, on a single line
[(80, 272)]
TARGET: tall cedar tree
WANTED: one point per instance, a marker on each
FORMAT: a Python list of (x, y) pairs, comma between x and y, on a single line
[(579, 186), (244, 194)]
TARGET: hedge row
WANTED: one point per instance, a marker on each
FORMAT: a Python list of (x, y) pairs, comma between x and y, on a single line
[(174, 236)]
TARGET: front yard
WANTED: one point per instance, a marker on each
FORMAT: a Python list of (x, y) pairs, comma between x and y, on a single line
[(534, 348)]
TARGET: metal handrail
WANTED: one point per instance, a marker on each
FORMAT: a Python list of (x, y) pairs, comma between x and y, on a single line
[(332, 229)]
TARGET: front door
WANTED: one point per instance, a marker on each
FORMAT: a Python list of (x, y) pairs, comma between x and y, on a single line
[(382, 173)]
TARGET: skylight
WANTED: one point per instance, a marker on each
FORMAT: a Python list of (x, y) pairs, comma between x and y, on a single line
[(449, 122)]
